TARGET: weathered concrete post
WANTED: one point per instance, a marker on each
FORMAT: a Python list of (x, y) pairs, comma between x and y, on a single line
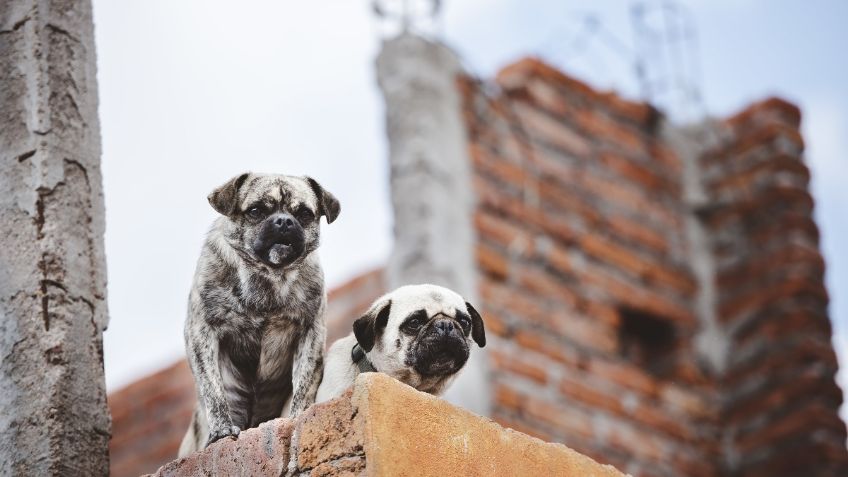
[(52, 270), (431, 184)]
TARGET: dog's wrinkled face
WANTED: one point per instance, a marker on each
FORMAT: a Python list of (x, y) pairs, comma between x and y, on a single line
[(426, 330), (274, 218)]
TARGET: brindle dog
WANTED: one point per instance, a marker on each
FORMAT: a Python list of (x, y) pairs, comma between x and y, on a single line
[(255, 330)]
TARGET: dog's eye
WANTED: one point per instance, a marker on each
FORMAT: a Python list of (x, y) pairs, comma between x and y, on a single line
[(414, 324), (304, 215), (464, 322), (255, 213)]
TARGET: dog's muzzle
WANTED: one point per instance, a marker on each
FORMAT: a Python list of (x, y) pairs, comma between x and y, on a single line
[(442, 350), (280, 240)]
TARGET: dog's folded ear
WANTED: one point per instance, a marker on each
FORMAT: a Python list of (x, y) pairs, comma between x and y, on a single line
[(328, 205), (367, 327), (224, 199), (477, 330)]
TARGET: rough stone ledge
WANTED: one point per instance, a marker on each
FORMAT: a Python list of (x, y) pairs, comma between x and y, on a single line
[(382, 427)]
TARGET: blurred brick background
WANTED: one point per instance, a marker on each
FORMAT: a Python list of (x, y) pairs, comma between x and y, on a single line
[(589, 281)]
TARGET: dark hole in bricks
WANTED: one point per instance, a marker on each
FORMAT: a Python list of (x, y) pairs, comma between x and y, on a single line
[(647, 341)]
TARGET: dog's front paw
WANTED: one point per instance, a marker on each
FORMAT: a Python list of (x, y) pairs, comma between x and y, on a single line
[(218, 433)]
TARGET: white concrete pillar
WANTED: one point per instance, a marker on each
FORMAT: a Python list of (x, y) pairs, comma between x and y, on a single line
[(52, 269), (431, 186)]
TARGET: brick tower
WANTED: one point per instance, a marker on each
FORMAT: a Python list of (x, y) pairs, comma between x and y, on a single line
[(657, 292)]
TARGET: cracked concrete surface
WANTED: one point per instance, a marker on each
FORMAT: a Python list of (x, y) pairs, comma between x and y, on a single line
[(52, 265)]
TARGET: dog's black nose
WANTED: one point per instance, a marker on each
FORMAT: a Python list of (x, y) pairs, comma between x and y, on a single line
[(283, 222), (444, 327)]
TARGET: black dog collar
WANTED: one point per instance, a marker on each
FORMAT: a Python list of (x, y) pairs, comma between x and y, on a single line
[(357, 354)]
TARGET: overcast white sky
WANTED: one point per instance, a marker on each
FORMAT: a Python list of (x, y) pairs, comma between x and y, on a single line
[(194, 92)]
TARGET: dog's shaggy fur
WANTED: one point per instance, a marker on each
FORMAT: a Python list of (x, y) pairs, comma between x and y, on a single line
[(255, 330)]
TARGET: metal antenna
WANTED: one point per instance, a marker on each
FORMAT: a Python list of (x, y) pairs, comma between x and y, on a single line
[(590, 42), (667, 59), (396, 17)]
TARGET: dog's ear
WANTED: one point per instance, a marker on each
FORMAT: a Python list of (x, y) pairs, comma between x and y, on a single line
[(224, 198), (367, 327), (477, 330), (328, 205)]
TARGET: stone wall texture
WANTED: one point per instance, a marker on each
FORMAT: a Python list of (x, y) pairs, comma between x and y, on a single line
[(52, 268), (384, 428)]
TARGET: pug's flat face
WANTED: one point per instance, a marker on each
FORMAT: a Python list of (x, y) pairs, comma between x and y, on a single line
[(419, 332), (275, 218)]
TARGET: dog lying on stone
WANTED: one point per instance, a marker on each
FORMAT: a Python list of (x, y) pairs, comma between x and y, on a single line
[(421, 335)]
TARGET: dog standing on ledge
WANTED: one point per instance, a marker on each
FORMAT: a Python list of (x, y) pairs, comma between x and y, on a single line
[(255, 330), (420, 335)]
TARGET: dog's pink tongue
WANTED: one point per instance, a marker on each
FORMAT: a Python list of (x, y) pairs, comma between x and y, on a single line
[(278, 253)]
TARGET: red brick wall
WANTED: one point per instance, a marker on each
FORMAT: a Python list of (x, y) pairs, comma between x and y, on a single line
[(586, 283), (149, 419), (349, 301), (781, 401)]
